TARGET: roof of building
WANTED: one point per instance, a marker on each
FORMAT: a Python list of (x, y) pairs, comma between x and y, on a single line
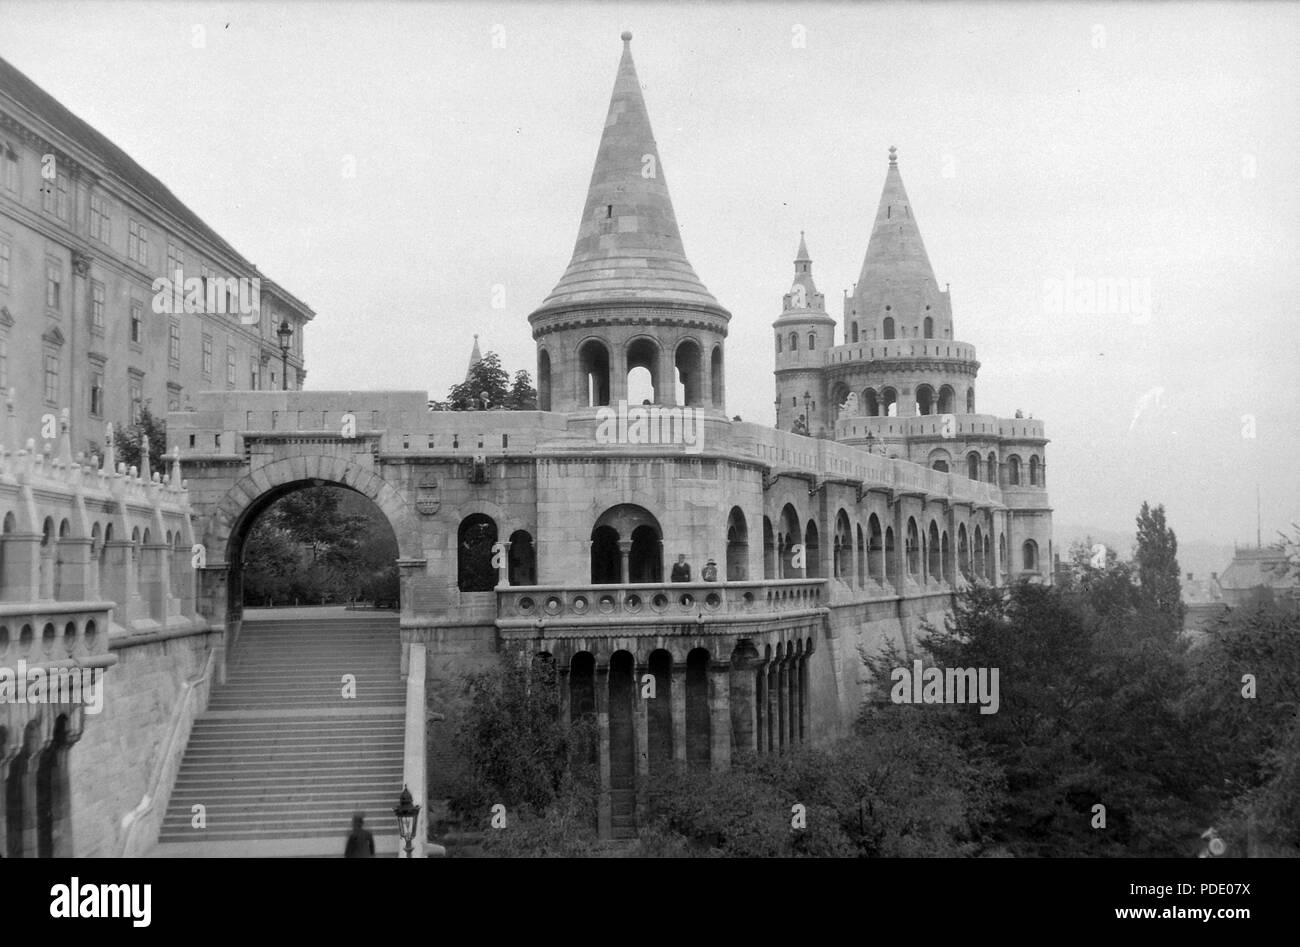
[(896, 260), (1266, 566), (629, 248), (28, 95)]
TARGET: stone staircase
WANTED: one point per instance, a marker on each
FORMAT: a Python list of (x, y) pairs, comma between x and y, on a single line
[(280, 759)]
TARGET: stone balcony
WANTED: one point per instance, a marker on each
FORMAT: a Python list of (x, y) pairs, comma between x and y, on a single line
[(649, 608)]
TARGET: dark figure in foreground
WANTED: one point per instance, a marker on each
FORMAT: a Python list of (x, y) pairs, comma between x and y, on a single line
[(361, 844), (681, 569)]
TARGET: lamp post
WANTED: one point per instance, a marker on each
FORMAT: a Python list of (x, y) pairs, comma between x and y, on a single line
[(871, 443), (284, 332), (807, 412), (776, 412), (408, 816)]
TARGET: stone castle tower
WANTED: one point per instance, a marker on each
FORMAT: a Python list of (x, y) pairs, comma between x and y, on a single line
[(899, 382), (629, 299)]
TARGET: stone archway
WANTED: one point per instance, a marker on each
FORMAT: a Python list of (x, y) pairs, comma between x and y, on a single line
[(240, 505)]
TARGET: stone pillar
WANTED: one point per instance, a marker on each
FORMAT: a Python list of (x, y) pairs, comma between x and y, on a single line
[(679, 715), (503, 570), (805, 693), (900, 549), (719, 716), (29, 814), (153, 580), (741, 684), (641, 733), (115, 574), (48, 568), (793, 696), (624, 559), (76, 578), (605, 814), (770, 693), (782, 703), (760, 708), (20, 579)]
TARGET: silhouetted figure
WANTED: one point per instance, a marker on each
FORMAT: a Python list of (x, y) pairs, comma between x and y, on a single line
[(681, 569), (361, 844), (710, 572)]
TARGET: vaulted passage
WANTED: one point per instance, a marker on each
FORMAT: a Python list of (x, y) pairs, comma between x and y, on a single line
[(659, 713), (622, 746), (698, 732)]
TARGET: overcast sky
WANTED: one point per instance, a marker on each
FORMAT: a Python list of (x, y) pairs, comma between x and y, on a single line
[(1156, 145)]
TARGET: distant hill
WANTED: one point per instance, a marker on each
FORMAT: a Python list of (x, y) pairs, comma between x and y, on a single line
[(1198, 557)]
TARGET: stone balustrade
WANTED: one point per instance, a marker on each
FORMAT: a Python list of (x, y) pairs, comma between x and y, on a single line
[(55, 632), (675, 603)]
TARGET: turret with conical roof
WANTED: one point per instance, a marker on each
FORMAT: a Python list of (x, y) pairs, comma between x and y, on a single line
[(804, 333), (629, 318), (475, 356)]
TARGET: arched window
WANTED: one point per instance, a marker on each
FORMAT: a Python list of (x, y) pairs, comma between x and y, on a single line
[(474, 541), (871, 402), (716, 377), (593, 372), (913, 548), (794, 341), (973, 465), (970, 400), (946, 399), (1013, 470), (992, 469), (812, 341), (778, 344), (522, 559), (690, 373), (642, 357), (889, 327), (853, 331), (889, 402), (543, 380), (1033, 470), (929, 328), (1030, 552), (737, 546), (934, 562), (812, 552)]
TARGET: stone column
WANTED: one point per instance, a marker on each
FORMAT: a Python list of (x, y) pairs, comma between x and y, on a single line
[(900, 549), (20, 579), (503, 570), (793, 697), (805, 694), (741, 683), (641, 733), (760, 708), (624, 558), (153, 580), (605, 815), (115, 576), (719, 716), (771, 691), (75, 576), (679, 714), (782, 703)]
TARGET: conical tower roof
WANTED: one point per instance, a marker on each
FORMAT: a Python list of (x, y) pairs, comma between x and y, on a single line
[(475, 356), (629, 248), (896, 262)]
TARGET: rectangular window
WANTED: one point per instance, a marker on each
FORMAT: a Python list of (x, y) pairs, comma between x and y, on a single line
[(101, 226), (137, 397), (96, 305), (252, 373), (47, 195), (51, 378), (53, 284), (97, 393), (5, 252), (207, 355), (175, 259), (174, 343), (137, 243), (61, 195), (11, 169), (137, 322), (230, 368)]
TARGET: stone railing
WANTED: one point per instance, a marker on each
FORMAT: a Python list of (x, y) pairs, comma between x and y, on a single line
[(55, 633), (527, 606)]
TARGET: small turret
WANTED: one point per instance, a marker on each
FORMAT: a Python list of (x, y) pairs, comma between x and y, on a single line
[(803, 336)]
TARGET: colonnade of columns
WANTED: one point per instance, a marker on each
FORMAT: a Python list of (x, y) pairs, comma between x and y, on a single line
[(35, 790)]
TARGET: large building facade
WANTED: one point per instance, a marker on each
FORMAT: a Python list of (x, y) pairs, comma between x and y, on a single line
[(549, 535), (84, 233)]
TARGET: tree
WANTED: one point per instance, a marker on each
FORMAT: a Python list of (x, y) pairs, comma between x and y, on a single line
[(523, 396), (1156, 557), (128, 439), (486, 377)]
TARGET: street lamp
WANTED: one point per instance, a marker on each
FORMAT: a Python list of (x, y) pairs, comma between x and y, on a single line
[(284, 332), (408, 815), (871, 442), (807, 412)]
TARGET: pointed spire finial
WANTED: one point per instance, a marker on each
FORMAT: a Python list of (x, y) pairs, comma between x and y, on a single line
[(893, 155), (802, 256), (627, 36)]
